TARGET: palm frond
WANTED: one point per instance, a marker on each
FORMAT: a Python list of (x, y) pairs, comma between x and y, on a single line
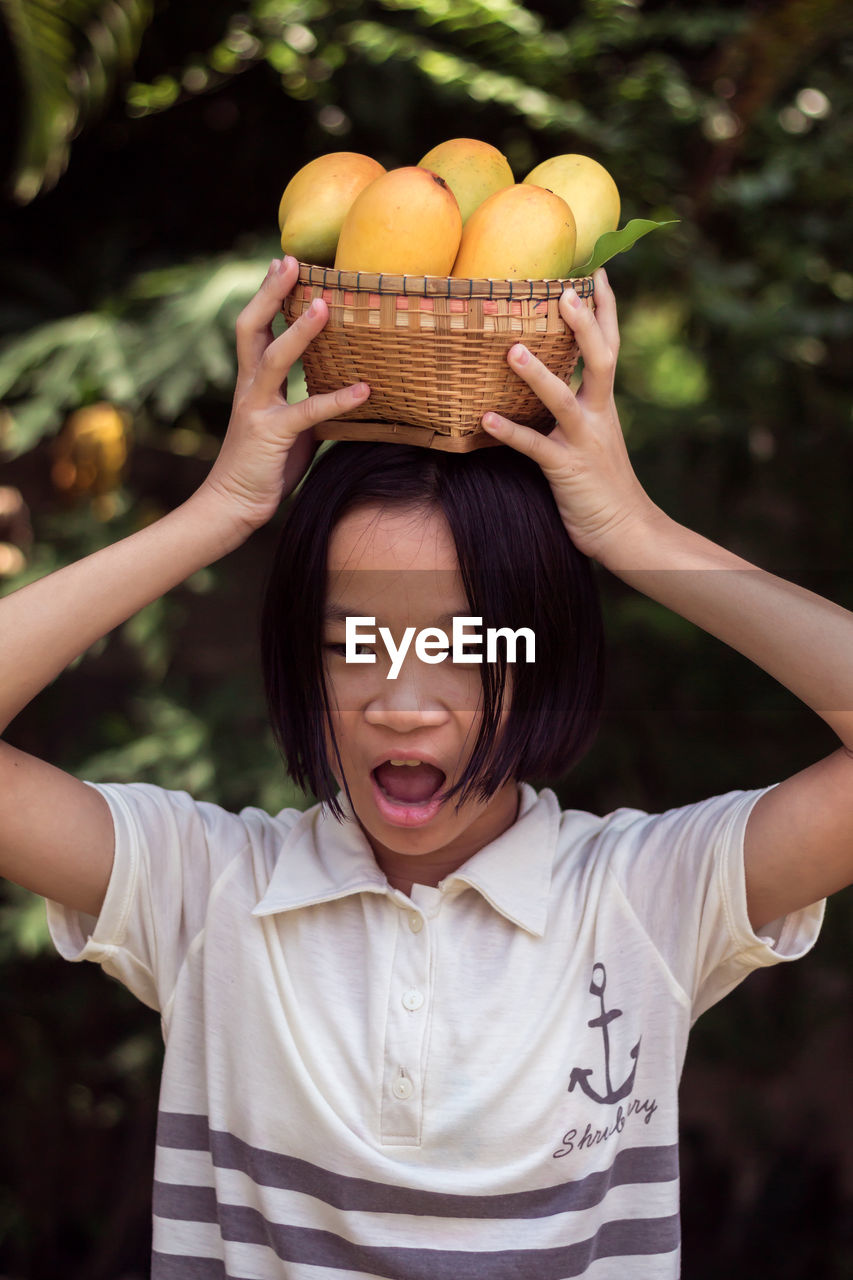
[(165, 341), (69, 58)]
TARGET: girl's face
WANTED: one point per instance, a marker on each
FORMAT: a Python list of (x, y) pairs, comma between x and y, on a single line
[(404, 740)]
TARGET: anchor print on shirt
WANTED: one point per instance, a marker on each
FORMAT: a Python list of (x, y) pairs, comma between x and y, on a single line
[(581, 1075)]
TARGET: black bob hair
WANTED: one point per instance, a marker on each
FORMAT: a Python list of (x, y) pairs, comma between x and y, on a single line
[(518, 568)]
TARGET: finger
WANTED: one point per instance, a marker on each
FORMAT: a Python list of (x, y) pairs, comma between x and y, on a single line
[(599, 360), (320, 408), (605, 309), (281, 354), (254, 323), (541, 448), (551, 390)]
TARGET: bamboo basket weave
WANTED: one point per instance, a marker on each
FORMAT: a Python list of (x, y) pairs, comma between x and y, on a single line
[(433, 351)]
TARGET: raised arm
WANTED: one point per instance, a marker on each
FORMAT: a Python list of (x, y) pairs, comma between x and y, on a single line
[(799, 837), (55, 832)]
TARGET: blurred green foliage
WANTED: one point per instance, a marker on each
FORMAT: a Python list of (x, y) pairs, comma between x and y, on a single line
[(69, 59), (123, 280)]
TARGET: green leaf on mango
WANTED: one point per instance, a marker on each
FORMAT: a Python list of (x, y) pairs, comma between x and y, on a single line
[(613, 242)]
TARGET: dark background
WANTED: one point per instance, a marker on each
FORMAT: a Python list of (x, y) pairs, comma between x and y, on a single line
[(146, 151)]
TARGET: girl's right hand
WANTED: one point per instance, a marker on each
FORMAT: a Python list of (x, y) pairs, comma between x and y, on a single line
[(269, 443)]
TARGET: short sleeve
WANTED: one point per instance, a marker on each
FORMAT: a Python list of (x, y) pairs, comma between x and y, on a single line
[(683, 875), (169, 852)]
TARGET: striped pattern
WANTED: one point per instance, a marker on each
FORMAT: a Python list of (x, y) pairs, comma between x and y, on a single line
[(299, 1244)]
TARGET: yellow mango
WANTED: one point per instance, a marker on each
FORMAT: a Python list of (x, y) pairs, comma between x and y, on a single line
[(90, 452), (520, 233), (407, 222), (473, 170), (316, 201), (588, 190)]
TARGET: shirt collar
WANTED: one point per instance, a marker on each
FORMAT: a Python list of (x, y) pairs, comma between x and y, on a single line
[(513, 873), (322, 859)]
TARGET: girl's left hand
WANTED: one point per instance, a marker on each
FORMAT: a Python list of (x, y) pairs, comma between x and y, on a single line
[(584, 457)]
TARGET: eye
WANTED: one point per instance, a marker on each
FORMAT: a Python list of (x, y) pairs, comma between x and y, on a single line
[(470, 649), (340, 650)]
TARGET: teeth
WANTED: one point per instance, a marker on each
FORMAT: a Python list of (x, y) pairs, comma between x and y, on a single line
[(405, 762)]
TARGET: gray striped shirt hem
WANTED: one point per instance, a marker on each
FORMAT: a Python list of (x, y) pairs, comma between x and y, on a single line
[(630, 1237), (303, 1245)]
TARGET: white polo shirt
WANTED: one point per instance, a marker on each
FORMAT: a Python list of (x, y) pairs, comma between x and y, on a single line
[(475, 1083)]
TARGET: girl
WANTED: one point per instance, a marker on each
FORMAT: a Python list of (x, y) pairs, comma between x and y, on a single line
[(432, 1027)]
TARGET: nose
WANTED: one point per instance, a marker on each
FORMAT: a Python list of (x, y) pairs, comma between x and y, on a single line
[(406, 703)]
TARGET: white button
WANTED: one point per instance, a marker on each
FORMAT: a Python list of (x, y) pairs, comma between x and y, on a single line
[(413, 1000), (416, 922), (402, 1087)]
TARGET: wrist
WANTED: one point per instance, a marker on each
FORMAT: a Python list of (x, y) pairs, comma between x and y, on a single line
[(639, 541), (629, 538), (651, 541), (222, 526)]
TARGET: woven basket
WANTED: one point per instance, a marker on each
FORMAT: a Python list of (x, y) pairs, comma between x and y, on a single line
[(433, 351)]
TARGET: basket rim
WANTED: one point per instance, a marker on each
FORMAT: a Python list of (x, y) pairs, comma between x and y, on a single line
[(439, 286)]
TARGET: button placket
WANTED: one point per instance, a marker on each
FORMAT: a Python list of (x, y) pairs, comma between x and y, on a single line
[(405, 1033)]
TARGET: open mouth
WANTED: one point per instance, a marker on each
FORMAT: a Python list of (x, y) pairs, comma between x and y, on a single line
[(408, 781), (408, 792)]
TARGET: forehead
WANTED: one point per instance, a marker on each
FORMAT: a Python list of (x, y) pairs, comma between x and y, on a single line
[(377, 538), (391, 560)]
